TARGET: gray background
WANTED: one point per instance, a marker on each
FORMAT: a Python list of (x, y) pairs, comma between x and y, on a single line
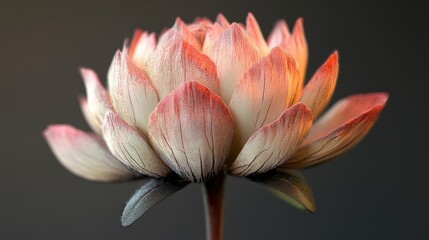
[(377, 191)]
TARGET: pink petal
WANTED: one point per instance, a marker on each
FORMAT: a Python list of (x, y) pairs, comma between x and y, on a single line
[(131, 148), (186, 34), (133, 96), (339, 129), (211, 37), (233, 53), (192, 130), (262, 94), (97, 102), (274, 143), (84, 154), (175, 61), (279, 36), (318, 92), (199, 28), (254, 31), (221, 20), (142, 46)]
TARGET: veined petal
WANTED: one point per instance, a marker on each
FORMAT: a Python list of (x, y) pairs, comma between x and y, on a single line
[(192, 130), (279, 36), (339, 129), (142, 46), (263, 93), (133, 96), (318, 92), (221, 20), (252, 27), (211, 37), (175, 61), (233, 53), (97, 102), (84, 154), (274, 143), (89, 117), (186, 34), (131, 148), (297, 45)]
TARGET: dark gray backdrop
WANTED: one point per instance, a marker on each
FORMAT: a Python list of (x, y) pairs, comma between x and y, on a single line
[(377, 191)]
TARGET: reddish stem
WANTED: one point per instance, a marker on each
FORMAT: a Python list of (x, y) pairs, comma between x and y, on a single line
[(213, 199)]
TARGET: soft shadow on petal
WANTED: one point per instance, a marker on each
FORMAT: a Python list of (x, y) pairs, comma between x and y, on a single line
[(263, 94), (175, 62), (279, 36), (233, 53), (142, 46), (252, 27), (290, 186), (85, 154), (131, 148), (274, 143), (133, 96), (339, 129), (318, 91), (151, 193), (97, 101), (192, 130)]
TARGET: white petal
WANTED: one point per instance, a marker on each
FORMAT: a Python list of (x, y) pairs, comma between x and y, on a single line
[(142, 46)]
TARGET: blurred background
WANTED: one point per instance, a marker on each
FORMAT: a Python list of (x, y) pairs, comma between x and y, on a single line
[(379, 190)]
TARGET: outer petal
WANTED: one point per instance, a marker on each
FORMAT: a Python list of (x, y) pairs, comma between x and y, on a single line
[(131, 148), (262, 94), (142, 46), (175, 61), (274, 143), (254, 31), (279, 36), (133, 96), (97, 102), (85, 154), (339, 129), (192, 130), (318, 92), (233, 53), (297, 45), (187, 35)]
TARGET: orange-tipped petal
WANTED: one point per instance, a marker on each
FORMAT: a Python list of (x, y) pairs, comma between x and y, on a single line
[(97, 102), (233, 53), (254, 31), (274, 143), (297, 45), (133, 96), (318, 91), (131, 148), (186, 34), (339, 129), (175, 62), (192, 130), (279, 36), (221, 20), (262, 94), (84, 154), (142, 46)]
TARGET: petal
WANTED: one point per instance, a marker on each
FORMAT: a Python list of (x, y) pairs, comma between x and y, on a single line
[(199, 28), (289, 186), (279, 36), (131, 148), (175, 61), (133, 96), (318, 92), (89, 117), (297, 46), (339, 129), (98, 101), (186, 34), (233, 53), (151, 193), (211, 37), (254, 31), (262, 94), (192, 129), (274, 143), (142, 46), (84, 154), (221, 20)]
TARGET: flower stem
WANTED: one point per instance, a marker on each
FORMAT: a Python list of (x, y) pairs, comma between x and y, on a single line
[(213, 199)]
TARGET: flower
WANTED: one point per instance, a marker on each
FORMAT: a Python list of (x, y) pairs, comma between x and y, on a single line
[(211, 97)]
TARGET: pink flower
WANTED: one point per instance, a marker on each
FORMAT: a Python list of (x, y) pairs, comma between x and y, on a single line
[(211, 97)]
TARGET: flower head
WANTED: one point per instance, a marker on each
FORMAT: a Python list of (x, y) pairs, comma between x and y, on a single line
[(207, 98)]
